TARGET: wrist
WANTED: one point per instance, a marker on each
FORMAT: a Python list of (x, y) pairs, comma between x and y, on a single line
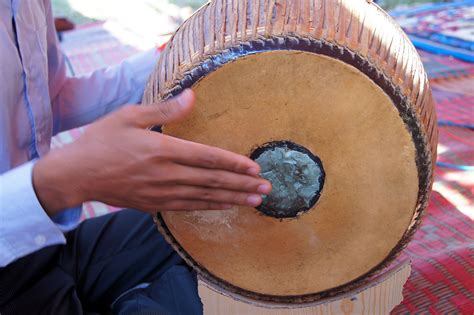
[(56, 183)]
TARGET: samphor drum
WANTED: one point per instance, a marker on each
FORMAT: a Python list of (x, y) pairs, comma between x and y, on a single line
[(331, 99)]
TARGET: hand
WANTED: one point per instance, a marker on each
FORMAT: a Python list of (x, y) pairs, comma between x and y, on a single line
[(119, 162)]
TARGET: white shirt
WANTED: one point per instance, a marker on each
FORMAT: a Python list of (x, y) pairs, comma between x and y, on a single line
[(38, 100)]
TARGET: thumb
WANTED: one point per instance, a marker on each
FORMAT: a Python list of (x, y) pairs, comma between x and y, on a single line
[(172, 110)]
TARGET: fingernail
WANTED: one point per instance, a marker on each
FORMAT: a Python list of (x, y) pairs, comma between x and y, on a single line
[(264, 189), (254, 200), (185, 97), (253, 171)]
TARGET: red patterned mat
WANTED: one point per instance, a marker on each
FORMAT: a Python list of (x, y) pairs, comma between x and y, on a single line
[(442, 251), (92, 46), (442, 28), (442, 278), (442, 67)]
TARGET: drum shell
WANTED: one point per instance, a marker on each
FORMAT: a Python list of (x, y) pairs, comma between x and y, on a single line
[(356, 32)]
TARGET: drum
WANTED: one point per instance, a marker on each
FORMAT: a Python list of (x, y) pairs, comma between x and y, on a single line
[(331, 99)]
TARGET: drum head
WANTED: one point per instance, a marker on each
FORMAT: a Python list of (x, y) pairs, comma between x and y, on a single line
[(360, 164)]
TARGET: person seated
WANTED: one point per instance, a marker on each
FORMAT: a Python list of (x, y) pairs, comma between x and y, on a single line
[(119, 263)]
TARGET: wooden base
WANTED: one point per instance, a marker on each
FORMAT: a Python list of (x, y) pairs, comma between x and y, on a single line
[(380, 296)]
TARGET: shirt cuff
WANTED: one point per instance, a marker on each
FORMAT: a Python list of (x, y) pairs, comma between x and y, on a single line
[(24, 225)]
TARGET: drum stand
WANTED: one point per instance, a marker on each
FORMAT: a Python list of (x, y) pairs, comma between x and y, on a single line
[(379, 296)]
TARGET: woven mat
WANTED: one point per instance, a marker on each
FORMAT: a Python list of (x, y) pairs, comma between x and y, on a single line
[(442, 251), (91, 47), (442, 280), (444, 28), (441, 67)]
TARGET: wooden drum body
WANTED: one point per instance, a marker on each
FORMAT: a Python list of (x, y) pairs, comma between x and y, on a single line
[(337, 96)]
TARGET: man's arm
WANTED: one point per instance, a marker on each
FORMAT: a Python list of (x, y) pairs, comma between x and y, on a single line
[(120, 162)]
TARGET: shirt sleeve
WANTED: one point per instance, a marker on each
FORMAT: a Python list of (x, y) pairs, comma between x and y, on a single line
[(24, 225), (80, 100)]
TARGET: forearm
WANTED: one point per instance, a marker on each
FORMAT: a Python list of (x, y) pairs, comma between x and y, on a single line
[(81, 100)]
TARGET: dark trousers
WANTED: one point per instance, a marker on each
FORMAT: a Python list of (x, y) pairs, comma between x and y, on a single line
[(103, 258)]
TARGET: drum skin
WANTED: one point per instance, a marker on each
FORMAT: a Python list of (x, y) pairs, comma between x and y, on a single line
[(337, 77)]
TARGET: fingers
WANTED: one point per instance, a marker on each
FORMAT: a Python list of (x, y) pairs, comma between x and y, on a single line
[(187, 198), (181, 192), (218, 179), (172, 110), (204, 156)]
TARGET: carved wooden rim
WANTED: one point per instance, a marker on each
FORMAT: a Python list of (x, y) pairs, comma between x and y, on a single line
[(407, 114)]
